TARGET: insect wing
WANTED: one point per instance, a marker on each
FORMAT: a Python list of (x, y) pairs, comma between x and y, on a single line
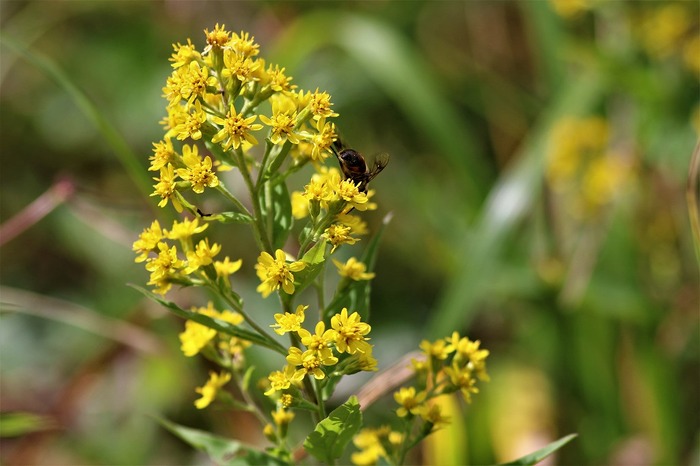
[(380, 161)]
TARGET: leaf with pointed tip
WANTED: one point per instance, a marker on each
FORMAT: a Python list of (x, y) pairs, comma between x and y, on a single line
[(221, 450), (330, 437), (216, 324), (542, 453), (277, 208)]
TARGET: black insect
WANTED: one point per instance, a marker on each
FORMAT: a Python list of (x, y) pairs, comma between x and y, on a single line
[(355, 168)]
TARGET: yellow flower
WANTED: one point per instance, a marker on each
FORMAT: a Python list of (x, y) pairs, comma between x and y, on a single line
[(570, 8), (318, 341), (244, 44), (283, 120), (317, 190), (184, 230), (164, 267), (286, 400), (323, 140), (236, 129), (468, 352), (366, 362), (461, 378), (202, 256), (148, 241), (226, 267), (198, 172), (300, 205), (163, 154), (309, 363), (211, 388), (289, 322), (664, 28), (410, 401), (280, 380), (369, 441), (277, 80), (338, 234), (165, 188), (276, 272), (238, 66), (349, 332), (432, 414), (193, 82), (349, 192), (356, 224), (195, 337), (438, 350), (691, 54), (353, 269), (191, 124), (184, 54), (282, 417), (217, 38), (320, 103)]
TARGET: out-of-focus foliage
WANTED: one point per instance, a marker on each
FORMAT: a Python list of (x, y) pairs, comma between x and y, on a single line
[(539, 159)]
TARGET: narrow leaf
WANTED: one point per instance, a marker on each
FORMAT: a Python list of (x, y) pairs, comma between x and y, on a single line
[(315, 260), (278, 209), (330, 437), (217, 324), (22, 423), (232, 217), (542, 453), (221, 450)]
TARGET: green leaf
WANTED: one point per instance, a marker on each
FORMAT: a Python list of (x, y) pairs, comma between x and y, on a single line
[(277, 209), (231, 217), (331, 435), (217, 324), (21, 423), (542, 453), (317, 254), (245, 382), (355, 295), (315, 259), (221, 450)]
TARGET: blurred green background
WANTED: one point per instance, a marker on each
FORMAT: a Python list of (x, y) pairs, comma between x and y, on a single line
[(590, 311)]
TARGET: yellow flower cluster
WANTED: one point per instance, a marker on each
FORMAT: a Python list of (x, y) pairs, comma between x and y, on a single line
[(324, 348), (227, 109), (213, 97), (671, 30), (168, 266), (582, 167), (197, 336), (211, 388), (374, 443), (450, 365)]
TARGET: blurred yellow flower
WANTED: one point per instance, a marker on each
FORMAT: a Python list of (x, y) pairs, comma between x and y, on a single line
[(211, 388)]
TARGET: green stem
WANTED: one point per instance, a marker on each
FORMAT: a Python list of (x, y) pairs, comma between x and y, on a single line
[(263, 163), (250, 402), (319, 397), (273, 344), (313, 236), (259, 227), (222, 189), (309, 387)]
